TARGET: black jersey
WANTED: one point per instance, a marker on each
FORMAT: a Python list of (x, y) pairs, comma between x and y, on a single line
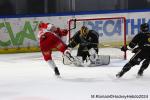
[(91, 38), (85, 43), (142, 40)]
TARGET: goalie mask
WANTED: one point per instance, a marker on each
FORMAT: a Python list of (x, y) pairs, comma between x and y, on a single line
[(84, 31), (144, 27)]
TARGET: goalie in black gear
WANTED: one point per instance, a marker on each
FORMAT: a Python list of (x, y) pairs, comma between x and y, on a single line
[(140, 45), (86, 39)]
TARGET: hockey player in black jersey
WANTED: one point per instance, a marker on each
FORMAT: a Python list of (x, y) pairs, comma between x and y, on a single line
[(140, 45), (86, 39)]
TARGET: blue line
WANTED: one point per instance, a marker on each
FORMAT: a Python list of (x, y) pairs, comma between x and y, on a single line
[(74, 13)]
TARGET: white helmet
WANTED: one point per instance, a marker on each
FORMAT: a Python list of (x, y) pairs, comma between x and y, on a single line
[(50, 27)]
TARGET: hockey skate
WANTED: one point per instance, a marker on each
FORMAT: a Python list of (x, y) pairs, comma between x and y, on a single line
[(56, 71), (140, 73), (120, 74)]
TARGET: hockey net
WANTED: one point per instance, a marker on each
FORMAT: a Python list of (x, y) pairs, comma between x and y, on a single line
[(112, 32)]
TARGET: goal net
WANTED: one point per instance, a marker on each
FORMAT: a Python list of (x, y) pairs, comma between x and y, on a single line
[(112, 33)]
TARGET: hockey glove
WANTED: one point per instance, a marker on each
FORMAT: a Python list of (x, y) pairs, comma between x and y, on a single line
[(124, 48), (65, 31)]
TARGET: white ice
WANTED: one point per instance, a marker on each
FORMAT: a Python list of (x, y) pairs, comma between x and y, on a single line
[(26, 76)]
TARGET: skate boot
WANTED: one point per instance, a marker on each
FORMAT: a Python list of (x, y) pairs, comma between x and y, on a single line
[(56, 71), (140, 73), (120, 74)]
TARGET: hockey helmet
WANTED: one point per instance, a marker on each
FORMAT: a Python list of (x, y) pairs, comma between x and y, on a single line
[(47, 26), (84, 30), (42, 25), (144, 27), (50, 27)]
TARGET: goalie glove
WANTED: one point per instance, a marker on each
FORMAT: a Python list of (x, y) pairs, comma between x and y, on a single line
[(93, 54), (92, 51)]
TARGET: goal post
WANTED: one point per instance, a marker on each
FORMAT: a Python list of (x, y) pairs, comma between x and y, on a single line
[(112, 30)]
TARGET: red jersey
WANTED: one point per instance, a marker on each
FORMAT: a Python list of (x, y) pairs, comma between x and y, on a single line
[(51, 40)]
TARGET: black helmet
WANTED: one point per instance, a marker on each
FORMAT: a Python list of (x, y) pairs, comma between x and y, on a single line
[(144, 27)]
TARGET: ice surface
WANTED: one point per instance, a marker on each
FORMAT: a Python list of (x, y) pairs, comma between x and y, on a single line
[(26, 76)]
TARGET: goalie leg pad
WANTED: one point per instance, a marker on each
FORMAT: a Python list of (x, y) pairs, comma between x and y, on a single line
[(77, 61), (100, 60)]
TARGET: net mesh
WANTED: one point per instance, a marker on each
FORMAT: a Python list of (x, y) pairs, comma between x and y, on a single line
[(111, 31)]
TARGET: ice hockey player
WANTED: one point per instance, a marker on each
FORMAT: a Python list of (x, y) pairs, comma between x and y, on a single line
[(50, 38), (140, 45), (86, 39)]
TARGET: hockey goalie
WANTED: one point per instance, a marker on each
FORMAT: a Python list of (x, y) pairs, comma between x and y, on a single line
[(88, 41)]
